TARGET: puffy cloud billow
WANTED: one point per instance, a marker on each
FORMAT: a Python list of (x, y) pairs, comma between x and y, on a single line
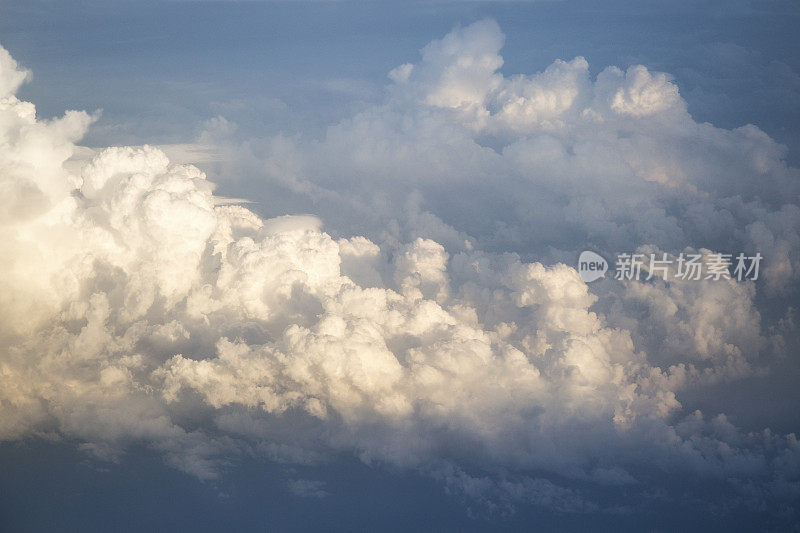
[(434, 327), (540, 165)]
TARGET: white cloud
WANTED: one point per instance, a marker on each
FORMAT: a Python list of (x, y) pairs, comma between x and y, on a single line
[(543, 165), (138, 307)]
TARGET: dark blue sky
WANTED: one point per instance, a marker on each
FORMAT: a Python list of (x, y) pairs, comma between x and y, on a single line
[(52, 487)]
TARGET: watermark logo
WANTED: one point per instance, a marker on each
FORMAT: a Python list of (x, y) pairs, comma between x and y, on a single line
[(591, 266), (683, 267)]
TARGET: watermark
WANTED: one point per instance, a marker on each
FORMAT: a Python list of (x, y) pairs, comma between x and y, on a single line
[(683, 267), (591, 266)]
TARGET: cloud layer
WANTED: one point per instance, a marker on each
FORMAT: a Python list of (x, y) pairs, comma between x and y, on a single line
[(138, 307), (554, 162)]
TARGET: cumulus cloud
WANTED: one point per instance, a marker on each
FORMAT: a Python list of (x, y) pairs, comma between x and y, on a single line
[(541, 165), (139, 307)]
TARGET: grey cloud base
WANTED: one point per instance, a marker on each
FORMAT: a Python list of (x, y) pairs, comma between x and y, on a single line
[(138, 307)]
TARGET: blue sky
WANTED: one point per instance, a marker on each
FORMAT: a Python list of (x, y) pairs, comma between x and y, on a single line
[(735, 62), (373, 322)]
